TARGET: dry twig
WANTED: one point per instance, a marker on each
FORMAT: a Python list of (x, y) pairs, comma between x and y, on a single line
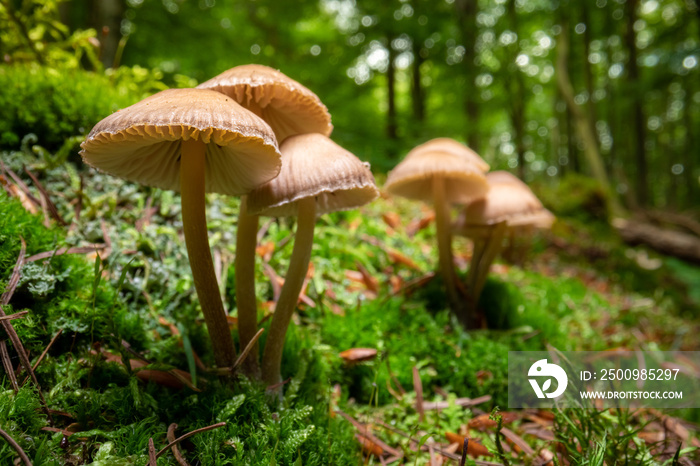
[(16, 446), (53, 211), (16, 315), (418, 387), (14, 338), (152, 458), (7, 364), (43, 353), (176, 452), (188, 435)]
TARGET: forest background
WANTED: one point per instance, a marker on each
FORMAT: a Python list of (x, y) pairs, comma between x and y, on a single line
[(544, 88)]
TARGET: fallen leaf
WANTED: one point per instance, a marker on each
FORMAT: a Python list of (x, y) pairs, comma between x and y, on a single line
[(265, 250), (397, 257), (392, 219), (518, 443), (354, 355), (163, 378), (652, 437), (368, 446), (396, 283), (14, 191), (417, 225), (369, 281), (474, 448), (482, 421)]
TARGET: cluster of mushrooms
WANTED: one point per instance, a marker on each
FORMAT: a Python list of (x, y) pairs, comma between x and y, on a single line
[(495, 204), (251, 132)]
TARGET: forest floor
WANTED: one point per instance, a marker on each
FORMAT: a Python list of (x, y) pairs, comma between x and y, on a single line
[(119, 350)]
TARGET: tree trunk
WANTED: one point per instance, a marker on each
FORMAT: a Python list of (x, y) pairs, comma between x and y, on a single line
[(391, 126), (639, 133), (582, 123), (671, 242), (587, 71), (517, 97), (106, 17), (690, 148), (555, 137), (466, 18), (417, 92), (571, 148)]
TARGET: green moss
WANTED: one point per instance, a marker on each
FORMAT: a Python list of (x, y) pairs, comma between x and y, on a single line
[(41, 104)]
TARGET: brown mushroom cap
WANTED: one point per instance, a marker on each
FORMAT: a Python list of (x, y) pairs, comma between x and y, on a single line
[(142, 142), (453, 147), (504, 177), (289, 107), (413, 177), (508, 199), (314, 166)]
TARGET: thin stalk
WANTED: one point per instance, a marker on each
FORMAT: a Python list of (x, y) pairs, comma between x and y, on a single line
[(22, 455), (246, 240), (472, 273), (493, 247), (298, 266), (194, 224), (444, 239)]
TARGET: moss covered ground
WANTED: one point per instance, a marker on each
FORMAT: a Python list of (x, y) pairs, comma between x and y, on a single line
[(128, 296)]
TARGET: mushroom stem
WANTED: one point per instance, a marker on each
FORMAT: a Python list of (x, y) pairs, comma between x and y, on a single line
[(444, 240), (491, 248), (294, 280), (473, 272), (194, 224), (246, 240)]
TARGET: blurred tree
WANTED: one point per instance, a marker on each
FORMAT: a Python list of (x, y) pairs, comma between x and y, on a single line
[(104, 16), (638, 118), (467, 11)]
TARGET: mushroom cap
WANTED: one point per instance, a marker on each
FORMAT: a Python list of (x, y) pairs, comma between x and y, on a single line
[(287, 106), (142, 142), (453, 147), (509, 200), (413, 177), (314, 166)]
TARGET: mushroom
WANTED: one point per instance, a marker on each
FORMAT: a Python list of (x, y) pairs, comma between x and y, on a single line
[(509, 206), (318, 176), (453, 147), (193, 141), (289, 108), (443, 178)]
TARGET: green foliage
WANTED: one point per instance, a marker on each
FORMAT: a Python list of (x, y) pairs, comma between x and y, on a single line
[(576, 196), (116, 412), (20, 413), (529, 302), (31, 31), (407, 335), (40, 103), (600, 437)]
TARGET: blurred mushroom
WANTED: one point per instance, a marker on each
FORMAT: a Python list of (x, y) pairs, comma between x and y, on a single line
[(318, 176), (443, 178), (509, 206), (453, 147), (193, 141), (289, 108)]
